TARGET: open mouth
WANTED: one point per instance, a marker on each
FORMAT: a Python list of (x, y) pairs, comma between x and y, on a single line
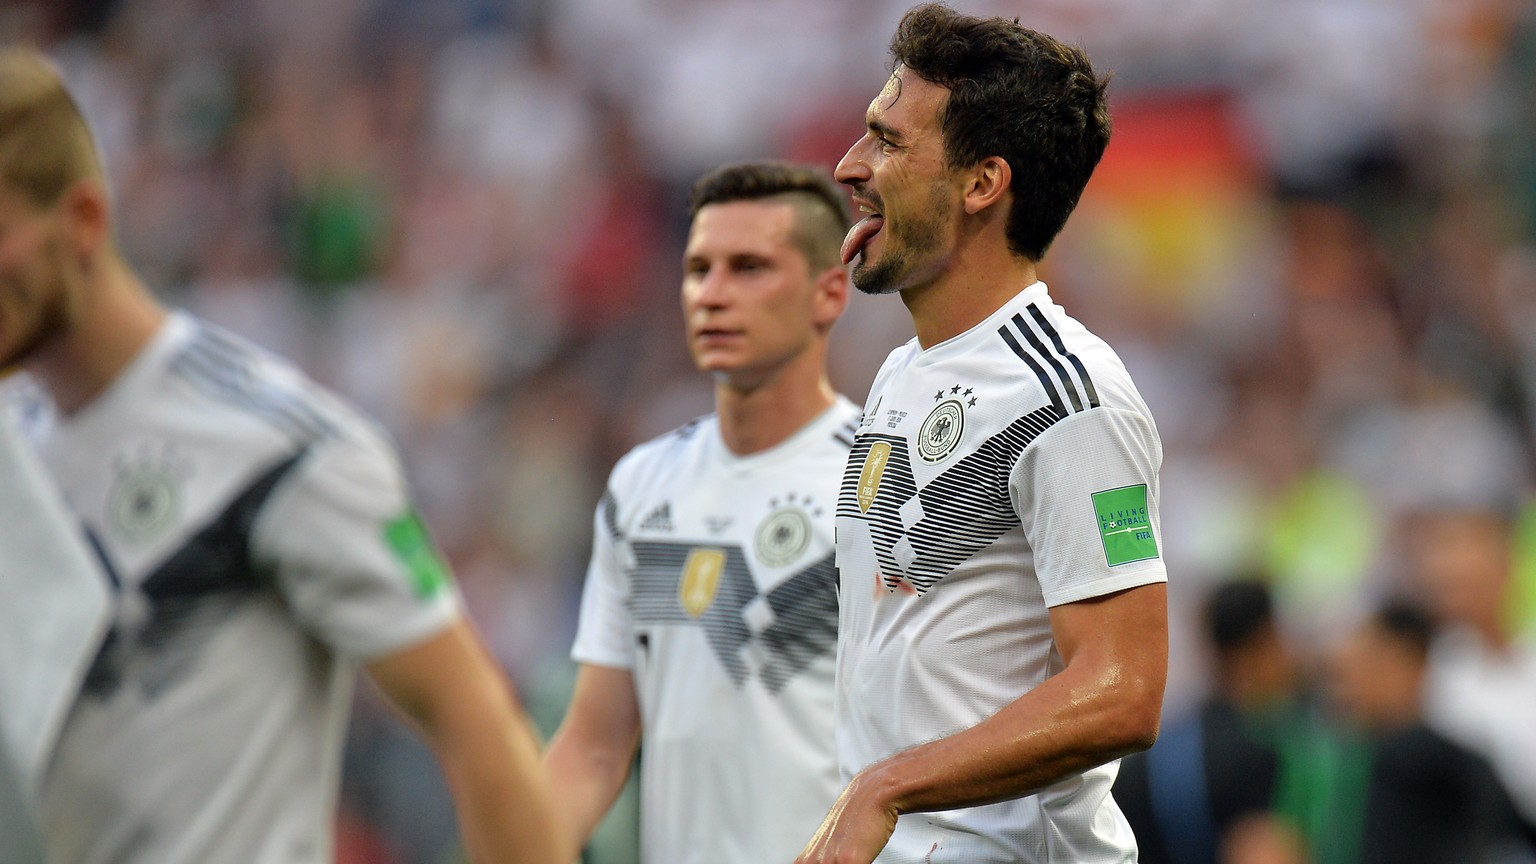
[(861, 233), (864, 231)]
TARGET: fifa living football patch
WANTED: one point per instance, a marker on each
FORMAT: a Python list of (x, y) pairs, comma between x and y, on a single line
[(1124, 524), (409, 540)]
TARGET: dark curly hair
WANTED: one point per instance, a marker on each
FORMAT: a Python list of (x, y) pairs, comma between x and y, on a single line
[(1017, 94), (821, 208), (1408, 624)]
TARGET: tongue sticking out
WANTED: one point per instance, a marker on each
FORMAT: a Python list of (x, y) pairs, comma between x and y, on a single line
[(860, 234)]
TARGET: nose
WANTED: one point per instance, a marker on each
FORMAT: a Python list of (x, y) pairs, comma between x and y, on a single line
[(710, 289), (852, 169)]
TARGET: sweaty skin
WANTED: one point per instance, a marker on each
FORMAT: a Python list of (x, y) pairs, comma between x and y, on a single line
[(938, 237), (865, 229)]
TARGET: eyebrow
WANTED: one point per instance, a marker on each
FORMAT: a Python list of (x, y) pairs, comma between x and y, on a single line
[(884, 130)]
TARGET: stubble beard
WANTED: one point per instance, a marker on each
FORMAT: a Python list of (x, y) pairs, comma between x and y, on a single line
[(51, 323), (880, 277), (905, 248)]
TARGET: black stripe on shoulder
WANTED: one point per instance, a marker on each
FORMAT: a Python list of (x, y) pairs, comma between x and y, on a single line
[(844, 439), (222, 342), (1045, 380), (687, 430), (224, 371), (1051, 333), (610, 508), (1061, 371), (245, 360)]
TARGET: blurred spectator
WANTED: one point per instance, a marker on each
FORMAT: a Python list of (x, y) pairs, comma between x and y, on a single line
[(1215, 768), (1425, 800), (1481, 687), (1260, 838)]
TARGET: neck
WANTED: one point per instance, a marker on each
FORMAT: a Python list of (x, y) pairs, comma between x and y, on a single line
[(982, 277), (1401, 711), (763, 415), (1238, 685), (1241, 694), (116, 318), (1491, 630)]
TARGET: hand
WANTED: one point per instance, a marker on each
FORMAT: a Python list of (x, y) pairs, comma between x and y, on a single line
[(856, 828)]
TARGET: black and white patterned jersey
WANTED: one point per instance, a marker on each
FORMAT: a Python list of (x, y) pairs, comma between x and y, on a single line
[(712, 581), (259, 541), (995, 475)]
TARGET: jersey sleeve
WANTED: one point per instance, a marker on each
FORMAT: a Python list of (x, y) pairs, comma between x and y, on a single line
[(350, 555), (603, 628), (1086, 493)]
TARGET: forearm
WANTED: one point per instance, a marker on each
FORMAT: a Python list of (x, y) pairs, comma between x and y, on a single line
[(585, 781), (1068, 724), (504, 808), (456, 695), (1104, 703)]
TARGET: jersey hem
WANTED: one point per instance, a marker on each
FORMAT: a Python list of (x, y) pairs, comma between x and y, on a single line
[(405, 637), (1135, 579), (591, 659)]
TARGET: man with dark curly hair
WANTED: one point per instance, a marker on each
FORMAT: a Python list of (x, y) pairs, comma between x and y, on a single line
[(1003, 631)]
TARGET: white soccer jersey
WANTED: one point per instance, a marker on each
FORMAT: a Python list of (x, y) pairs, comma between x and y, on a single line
[(1002, 472), (712, 582), (1484, 698), (259, 539)]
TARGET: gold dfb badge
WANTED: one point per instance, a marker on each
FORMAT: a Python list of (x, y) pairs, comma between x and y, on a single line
[(869, 478), (701, 579)]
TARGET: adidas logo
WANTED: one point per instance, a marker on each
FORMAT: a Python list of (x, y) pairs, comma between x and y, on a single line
[(659, 519)]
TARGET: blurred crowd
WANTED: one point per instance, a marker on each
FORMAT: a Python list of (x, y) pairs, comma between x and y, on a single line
[(1313, 240)]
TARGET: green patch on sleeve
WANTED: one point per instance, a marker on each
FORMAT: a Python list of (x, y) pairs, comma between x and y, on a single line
[(408, 538), (1124, 524)]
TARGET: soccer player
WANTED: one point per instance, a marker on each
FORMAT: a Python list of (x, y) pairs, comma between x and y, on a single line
[(709, 620), (259, 542), (1003, 631)]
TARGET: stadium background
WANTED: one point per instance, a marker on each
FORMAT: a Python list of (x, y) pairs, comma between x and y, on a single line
[(1311, 240)]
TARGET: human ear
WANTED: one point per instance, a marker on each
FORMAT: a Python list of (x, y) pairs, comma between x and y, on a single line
[(86, 212), (831, 297), (986, 184)]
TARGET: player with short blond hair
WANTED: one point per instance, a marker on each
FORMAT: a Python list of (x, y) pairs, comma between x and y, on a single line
[(258, 542)]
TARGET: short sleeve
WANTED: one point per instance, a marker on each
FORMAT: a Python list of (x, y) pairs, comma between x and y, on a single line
[(350, 555), (1086, 493), (603, 630)]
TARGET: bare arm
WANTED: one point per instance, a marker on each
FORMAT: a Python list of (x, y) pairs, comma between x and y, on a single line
[(457, 696), (589, 758), (1104, 704)]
